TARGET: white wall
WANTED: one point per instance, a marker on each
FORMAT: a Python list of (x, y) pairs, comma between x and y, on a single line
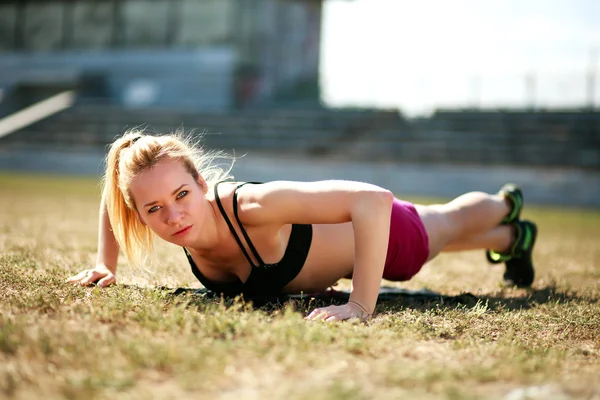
[(541, 186)]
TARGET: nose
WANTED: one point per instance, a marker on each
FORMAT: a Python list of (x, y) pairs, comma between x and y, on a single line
[(174, 215)]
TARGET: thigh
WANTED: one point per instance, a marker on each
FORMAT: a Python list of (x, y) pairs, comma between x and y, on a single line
[(440, 230), (408, 246)]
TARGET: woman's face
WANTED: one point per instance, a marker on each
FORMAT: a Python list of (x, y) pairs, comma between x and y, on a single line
[(170, 202)]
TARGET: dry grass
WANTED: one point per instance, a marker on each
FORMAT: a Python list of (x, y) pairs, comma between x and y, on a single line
[(135, 341)]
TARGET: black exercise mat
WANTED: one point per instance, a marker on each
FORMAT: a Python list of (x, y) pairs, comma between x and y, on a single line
[(332, 296)]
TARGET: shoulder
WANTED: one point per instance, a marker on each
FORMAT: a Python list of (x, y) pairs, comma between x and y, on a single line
[(297, 202), (224, 191), (242, 195), (261, 203)]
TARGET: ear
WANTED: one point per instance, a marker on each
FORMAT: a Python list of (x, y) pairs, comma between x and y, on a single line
[(202, 183)]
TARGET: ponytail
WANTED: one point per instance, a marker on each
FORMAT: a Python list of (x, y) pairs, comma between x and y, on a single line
[(130, 233)]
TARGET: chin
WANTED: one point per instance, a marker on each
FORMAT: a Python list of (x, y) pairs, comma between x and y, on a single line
[(183, 241), (173, 240), (178, 241)]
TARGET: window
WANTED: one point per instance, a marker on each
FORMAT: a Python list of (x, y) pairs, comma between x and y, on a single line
[(145, 23), (205, 22), (93, 25), (43, 26), (8, 23)]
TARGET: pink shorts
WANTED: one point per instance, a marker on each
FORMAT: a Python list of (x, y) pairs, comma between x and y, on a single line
[(408, 246)]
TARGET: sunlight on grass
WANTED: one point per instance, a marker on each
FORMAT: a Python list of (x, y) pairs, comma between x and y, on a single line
[(136, 340)]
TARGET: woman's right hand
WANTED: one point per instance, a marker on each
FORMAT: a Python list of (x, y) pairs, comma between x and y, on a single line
[(101, 275)]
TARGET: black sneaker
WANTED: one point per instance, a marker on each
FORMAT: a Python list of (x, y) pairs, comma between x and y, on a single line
[(519, 265), (519, 269), (514, 194)]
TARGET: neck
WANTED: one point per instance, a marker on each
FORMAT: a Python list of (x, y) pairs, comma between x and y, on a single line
[(212, 234)]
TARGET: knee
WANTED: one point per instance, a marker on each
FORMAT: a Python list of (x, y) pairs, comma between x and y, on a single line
[(469, 199), (452, 222)]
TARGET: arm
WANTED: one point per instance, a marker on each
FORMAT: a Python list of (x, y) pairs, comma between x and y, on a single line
[(108, 252), (108, 248), (371, 223), (367, 206)]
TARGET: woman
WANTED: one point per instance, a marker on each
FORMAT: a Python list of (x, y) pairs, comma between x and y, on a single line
[(290, 237)]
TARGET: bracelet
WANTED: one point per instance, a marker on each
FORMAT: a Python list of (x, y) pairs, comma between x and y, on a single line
[(361, 307)]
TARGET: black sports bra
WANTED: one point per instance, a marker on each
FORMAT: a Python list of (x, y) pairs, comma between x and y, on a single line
[(264, 278)]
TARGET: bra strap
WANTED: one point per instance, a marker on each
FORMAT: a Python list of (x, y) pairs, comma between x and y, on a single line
[(230, 225), (237, 218)]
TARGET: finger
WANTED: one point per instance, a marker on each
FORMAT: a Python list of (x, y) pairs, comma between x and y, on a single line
[(324, 315), (312, 316), (336, 317), (92, 277), (78, 277), (340, 315), (317, 314), (106, 281), (313, 313)]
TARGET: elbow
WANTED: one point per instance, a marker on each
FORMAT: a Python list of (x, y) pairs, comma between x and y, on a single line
[(378, 199), (386, 198)]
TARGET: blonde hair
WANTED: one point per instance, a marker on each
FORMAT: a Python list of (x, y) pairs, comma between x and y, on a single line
[(135, 152)]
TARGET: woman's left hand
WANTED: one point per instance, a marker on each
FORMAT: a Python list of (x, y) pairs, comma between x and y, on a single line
[(338, 313)]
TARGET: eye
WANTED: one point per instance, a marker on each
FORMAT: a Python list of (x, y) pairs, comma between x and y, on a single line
[(153, 209), (181, 194)]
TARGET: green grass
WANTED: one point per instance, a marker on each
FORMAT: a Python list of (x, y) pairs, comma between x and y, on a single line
[(137, 341)]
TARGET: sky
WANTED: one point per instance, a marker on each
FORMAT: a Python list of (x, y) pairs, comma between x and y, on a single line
[(419, 55)]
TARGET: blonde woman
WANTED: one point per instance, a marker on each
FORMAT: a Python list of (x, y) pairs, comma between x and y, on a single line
[(290, 237)]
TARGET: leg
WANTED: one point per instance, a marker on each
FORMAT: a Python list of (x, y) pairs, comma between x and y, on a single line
[(498, 239), (465, 217), (481, 221)]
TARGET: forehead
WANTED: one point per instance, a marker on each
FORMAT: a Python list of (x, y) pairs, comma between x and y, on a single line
[(164, 177)]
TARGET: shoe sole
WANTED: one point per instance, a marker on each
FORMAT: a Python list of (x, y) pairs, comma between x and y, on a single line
[(532, 239)]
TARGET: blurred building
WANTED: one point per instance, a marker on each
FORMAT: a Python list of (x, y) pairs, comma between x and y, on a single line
[(243, 75), (197, 54)]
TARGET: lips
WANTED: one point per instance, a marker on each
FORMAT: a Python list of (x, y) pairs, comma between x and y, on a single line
[(183, 231)]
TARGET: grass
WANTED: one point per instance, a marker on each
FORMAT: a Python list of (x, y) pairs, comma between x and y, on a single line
[(136, 341)]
